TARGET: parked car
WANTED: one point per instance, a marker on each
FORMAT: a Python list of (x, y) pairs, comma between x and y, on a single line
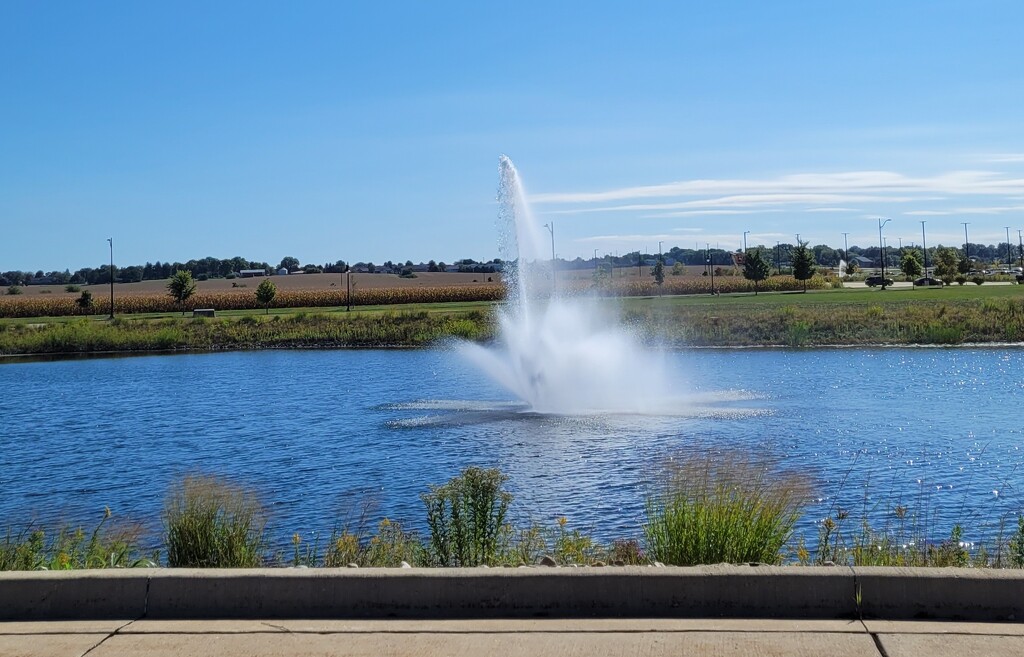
[(1020, 278), (872, 281), (928, 281)]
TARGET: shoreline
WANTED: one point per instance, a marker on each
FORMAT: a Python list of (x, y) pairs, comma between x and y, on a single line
[(87, 355)]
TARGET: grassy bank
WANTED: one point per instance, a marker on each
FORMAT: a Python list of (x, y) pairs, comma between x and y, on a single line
[(827, 317), (699, 510)]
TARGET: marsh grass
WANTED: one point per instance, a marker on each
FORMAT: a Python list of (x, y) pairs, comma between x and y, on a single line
[(71, 548), (722, 508), (211, 523)]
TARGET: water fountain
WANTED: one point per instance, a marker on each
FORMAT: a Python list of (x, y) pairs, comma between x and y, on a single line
[(559, 353)]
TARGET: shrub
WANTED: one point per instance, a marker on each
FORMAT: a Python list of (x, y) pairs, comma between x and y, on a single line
[(13, 290), (210, 523), (707, 510), (978, 280), (72, 288), (961, 279), (466, 517)]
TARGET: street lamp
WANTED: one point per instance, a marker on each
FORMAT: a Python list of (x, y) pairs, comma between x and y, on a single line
[(660, 257), (110, 240), (745, 233), (551, 229), (1009, 260), (1020, 250), (881, 247), (711, 266), (846, 249), (924, 249), (967, 244)]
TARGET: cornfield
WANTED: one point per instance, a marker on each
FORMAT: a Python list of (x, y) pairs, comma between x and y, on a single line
[(57, 306), (22, 306)]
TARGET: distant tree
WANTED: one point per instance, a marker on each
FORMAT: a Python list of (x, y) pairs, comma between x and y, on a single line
[(370, 267), (910, 264), (132, 274), (432, 266), (852, 267), (803, 263), (678, 269), (441, 266), (85, 301), (289, 263), (181, 287), (756, 268), (659, 273), (947, 264), (265, 293), (964, 266)]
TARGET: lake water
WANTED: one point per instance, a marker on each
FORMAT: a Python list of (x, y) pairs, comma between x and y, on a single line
[(319, 432)]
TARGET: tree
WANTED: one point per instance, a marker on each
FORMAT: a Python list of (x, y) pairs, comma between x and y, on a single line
[(852, 267), (755, 268), (659, 273), (947, 264), (910, 264), (289, 263), (803, 263), (965, 265), (677, 269), (85, 301), (432, 266), (181, 287), (265, 293)]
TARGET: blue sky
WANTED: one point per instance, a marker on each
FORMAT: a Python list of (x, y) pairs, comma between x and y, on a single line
[(371, 131)]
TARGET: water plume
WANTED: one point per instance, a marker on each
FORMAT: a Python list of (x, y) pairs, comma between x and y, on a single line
[(560, 354)]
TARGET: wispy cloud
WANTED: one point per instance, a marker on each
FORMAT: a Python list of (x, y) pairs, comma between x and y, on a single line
[(857, 183), (1002, 158)]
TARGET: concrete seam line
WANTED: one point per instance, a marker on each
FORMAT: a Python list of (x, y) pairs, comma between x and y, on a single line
[(104, 639)]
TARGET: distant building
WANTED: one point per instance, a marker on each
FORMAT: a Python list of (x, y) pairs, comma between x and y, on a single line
[(282, 272), (249, 273)]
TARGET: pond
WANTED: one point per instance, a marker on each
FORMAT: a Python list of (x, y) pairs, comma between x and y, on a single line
[(322, 433)]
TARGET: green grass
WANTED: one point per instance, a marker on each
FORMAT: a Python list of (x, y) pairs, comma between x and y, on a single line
[(210, 523), (723, 508)]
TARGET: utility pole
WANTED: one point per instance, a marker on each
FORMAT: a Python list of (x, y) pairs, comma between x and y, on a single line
[(711, 266), (846, 250), (745, 233), (778, 262), (1020, 250), (110, 240), (1009, 260)]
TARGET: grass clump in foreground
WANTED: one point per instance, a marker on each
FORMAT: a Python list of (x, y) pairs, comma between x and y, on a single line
[(69, 548), (722, 508), (210, 523)]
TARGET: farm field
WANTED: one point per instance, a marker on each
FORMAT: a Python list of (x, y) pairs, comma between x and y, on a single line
[(292, 282)]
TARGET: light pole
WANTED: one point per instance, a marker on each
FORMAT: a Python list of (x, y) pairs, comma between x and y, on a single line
[(1009, 260), (711, 266), (745, 233), (1020, 250), (110, 240), (551, 229), (595, 261), (881, 247), (924, 249), (660, 257), (778, 261), (846, 250), (967, 244)]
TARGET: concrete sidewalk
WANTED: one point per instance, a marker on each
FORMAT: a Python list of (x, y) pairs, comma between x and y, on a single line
[(511, 638)]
